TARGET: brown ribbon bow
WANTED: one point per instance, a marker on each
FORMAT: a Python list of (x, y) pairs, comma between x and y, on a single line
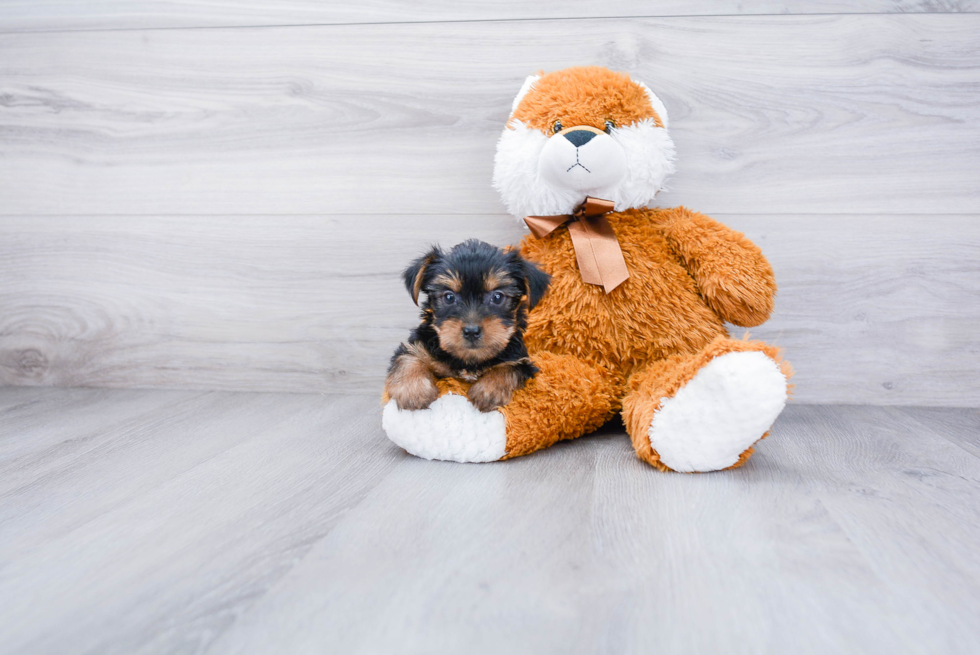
[(600, 259)]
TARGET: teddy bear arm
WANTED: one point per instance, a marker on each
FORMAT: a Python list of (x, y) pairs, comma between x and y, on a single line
[(567, 398), (730, 271)]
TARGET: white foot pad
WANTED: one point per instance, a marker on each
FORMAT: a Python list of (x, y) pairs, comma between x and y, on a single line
[(723, 410), (450, 429)]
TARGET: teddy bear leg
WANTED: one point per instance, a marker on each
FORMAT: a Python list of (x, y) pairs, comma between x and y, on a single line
[(703, 412), (566, 399)]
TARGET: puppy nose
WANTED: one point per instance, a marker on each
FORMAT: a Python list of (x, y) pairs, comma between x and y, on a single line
[(472, 332), (579, 137)]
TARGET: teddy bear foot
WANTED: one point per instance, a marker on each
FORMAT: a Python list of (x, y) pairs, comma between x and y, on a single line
[(725, 408), (451, 429)]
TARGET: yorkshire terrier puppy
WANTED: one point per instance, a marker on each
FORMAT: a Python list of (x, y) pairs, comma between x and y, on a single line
[(473, 321)]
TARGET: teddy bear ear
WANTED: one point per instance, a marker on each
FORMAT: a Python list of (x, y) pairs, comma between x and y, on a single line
[(658, 105), (528, 83)]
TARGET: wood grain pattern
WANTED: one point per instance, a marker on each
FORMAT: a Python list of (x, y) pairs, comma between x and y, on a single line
[(229, 523), (229, 208), (48, 15), (899, 493), (872, 309), (875, 309), (762, 561), (962, 428), (771, 114), (197, 508)]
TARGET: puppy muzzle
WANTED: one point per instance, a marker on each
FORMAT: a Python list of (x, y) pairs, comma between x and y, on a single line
[(472, 334)]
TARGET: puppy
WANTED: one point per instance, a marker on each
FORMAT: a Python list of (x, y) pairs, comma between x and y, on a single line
[(473, 321)]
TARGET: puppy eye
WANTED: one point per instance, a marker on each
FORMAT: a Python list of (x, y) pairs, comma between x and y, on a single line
[(449, 298), (556, 128), (496, 298), (609, 127)]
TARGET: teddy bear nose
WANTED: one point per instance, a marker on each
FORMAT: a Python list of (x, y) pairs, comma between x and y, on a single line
[(472, 332), (579, 137)]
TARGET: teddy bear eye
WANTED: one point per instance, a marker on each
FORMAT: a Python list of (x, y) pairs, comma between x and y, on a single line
[(556, 127), (609, 126)]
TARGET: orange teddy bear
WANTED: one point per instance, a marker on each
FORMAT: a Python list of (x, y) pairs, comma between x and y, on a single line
[(634, 319)]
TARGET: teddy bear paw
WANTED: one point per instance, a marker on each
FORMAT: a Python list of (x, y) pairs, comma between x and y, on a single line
[(450, 429), (723, 410)]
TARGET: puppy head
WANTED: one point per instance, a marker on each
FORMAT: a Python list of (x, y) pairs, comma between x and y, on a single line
[(581, 132), (477, 296)]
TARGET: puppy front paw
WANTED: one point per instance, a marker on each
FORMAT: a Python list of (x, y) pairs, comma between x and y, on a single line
[(412, 390), (490, 392), (419, 397)]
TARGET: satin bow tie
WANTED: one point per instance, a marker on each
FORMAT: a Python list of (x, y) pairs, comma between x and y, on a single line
[(600, 259)]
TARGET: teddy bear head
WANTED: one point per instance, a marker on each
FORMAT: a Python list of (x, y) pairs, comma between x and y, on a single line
[(577, 132)]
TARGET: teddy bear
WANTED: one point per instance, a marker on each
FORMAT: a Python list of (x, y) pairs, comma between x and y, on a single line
[(634, 319)]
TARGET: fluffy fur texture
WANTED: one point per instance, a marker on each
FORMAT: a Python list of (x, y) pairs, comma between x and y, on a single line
[(666, 306), (663, 380), (450, 429), (587, 395), (473, 319), (656, 347), (718, 413), (537, 174)]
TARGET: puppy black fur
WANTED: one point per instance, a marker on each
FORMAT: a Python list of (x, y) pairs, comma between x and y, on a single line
[(473, 319)]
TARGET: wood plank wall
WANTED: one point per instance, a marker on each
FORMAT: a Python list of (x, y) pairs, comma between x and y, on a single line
[(221, 195)]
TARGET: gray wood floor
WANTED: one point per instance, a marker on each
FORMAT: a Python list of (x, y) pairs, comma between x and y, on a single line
[(183, 521)]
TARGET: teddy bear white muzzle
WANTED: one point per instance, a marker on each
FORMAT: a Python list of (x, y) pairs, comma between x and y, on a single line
[(584, 159)]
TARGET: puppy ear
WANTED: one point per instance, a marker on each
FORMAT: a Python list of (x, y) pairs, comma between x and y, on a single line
[(414, 275), (536, 282)]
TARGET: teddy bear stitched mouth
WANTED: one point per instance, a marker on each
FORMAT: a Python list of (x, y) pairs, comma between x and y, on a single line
[(577, 163)]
